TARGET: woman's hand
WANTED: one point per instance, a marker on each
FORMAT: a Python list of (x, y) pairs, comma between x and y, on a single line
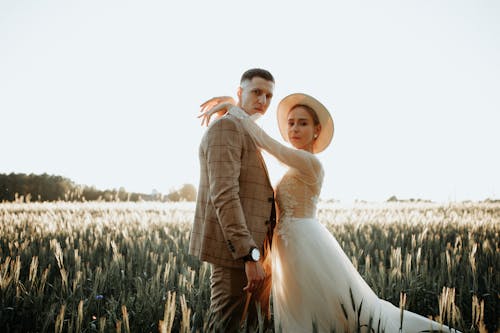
[(219, 109), (219, 105), (207, 105)]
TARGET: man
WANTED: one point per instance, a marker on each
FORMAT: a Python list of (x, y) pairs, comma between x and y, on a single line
[(234, 208)]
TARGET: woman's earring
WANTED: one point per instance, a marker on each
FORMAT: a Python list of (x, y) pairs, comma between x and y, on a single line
[(315, 136)]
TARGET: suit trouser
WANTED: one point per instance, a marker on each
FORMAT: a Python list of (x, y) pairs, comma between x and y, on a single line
[(227, 301)]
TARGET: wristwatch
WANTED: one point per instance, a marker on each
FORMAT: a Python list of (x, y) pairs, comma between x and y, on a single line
[(254, 255)]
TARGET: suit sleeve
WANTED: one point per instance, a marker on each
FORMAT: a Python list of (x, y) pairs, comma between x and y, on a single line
[(224, 149)]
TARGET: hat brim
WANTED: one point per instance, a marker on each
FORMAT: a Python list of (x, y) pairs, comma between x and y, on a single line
[(286, 104)]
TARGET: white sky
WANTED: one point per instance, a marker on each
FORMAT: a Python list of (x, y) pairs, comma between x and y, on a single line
[(106, 93)]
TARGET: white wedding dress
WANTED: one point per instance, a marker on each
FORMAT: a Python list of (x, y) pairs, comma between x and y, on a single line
[(313, 280)]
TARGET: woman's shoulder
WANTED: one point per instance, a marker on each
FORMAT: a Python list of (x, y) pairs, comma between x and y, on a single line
[(310, 161), (311, 156), (317, 163)]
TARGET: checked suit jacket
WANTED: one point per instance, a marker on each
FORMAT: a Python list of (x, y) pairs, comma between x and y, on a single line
[(235, 196)]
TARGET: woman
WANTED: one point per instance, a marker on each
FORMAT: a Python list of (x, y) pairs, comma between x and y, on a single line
[(314, 284)]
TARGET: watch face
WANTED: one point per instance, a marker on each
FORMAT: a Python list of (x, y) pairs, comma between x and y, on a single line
[(255, 254)]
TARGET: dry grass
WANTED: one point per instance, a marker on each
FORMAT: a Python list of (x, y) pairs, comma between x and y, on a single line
[(123, 267)]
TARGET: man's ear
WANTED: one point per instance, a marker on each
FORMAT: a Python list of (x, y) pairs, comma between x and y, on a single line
[(238, 93)]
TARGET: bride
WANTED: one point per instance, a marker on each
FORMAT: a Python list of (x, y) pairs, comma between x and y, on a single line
[(314, 284)]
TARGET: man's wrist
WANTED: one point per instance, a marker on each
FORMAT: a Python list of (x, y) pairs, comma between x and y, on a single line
[(253, 255)]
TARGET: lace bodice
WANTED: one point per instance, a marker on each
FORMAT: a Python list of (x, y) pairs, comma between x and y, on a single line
[(298, 191), (295, 197)]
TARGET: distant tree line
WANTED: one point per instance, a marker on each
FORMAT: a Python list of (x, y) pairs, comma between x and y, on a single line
[(32, 187), (396, 199)]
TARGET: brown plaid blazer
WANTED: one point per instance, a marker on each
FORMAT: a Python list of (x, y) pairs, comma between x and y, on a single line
[(235, 196)]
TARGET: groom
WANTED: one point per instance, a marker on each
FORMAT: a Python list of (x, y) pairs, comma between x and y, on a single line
[(234, 208)]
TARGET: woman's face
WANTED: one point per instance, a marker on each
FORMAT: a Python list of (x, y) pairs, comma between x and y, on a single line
[(301, 129)]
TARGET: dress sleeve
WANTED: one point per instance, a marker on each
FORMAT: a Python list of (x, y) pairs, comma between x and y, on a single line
[(306, 163)]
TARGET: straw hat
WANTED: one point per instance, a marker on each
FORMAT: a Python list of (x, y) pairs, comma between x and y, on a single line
[(325, 136)]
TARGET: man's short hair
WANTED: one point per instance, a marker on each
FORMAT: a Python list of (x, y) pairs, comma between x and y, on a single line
[(256, 72)]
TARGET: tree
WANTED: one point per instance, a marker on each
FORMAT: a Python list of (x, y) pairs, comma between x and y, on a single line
[(392, 199), (187, 192), (46, 187)]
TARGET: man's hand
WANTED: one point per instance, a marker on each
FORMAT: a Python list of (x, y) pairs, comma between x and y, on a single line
[(255, 276)]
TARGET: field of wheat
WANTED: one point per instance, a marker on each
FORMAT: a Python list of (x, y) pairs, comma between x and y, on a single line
[(123, 267)]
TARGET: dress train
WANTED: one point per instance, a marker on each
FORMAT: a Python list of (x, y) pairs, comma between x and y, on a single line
[(314, 281)]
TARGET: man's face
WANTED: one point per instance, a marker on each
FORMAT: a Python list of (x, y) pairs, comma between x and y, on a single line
[(255, 95)]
